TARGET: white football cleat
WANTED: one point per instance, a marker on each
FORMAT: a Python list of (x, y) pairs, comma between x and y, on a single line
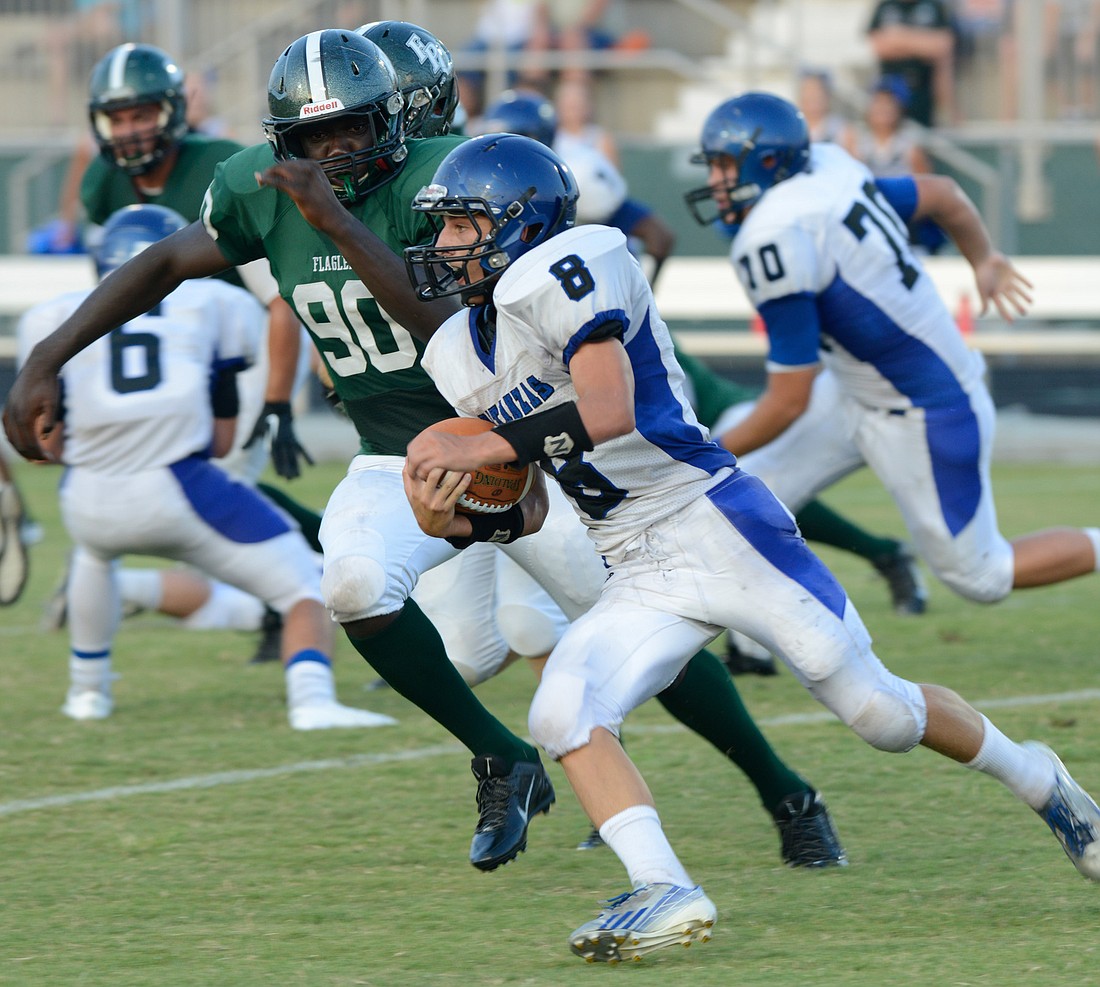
[(333, 715), (1072, 816), (639, 922), (88, 704)]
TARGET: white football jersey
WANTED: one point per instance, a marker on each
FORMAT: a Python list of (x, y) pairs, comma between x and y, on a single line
[(602, 187), (139, 397), (548, 303), (827, 238)]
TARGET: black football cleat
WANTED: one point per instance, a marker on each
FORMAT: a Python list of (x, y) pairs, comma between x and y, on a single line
[(738, 662), (806, 833), (593, 841), (902, 574), (271, 639), (506, 801)]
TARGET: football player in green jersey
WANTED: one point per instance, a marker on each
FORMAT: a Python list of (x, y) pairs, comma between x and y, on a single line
[(137, 106)]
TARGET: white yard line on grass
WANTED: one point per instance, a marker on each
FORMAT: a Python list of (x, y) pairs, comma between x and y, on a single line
[(361, 760)]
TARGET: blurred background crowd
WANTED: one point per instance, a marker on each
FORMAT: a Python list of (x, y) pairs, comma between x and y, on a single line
[(1003, 94)]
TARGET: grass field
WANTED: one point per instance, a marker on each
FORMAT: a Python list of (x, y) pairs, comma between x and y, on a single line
[(194, 839)]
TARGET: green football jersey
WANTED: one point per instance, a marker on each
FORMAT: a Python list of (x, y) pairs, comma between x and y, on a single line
[(710, 393), (374, 362), (105, 188)]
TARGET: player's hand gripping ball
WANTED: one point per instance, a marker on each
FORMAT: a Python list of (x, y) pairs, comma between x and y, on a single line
[(493, 488)]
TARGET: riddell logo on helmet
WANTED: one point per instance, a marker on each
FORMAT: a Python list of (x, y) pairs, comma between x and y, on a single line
[(312, 109)]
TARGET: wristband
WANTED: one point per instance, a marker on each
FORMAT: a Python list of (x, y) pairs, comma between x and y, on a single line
[(557, 433), (503, 528), (224, 401)]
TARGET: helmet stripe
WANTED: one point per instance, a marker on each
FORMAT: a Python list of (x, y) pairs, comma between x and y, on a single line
[(116, 70), (314, 73)]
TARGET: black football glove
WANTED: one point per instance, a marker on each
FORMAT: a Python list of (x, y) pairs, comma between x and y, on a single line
[(285, 448)]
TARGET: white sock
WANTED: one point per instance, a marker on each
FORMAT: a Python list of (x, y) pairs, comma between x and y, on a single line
[(140, 587), (90, 674), (637, 839), (1094, 536), (1026, 773), (309, 680), (227, 608)]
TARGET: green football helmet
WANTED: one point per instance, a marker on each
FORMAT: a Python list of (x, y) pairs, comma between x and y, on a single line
[(135, 75), (425, 74), (330, 76)]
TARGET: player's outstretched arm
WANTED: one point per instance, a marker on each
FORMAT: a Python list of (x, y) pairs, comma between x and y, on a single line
[(941, 199), (379, 268)]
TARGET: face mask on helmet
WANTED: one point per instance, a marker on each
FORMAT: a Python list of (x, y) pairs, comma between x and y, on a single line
[(131, 76), (331, 81), (425, 75), (128, 231), (514, 189), (765, 138)]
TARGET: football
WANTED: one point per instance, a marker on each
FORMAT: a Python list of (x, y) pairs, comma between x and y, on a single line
[(493, 488)]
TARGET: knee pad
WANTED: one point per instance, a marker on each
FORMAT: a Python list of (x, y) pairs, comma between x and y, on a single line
[(351, 586), (529, 632), (891, 721), (557, 719), (984, 577)]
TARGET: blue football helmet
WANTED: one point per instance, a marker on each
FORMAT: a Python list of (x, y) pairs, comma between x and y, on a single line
[(768, 140), (425, 75), (338, 77), (527, 192), (524, 112), (129, 230)]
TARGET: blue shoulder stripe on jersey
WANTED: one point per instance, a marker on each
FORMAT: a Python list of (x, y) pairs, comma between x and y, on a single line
[(794, 330), (901, 193), (752, 509), (235, 511), (915, 370), (659, 415), (581, 336)]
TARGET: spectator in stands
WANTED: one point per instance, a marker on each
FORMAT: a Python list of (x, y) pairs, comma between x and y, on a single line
[(815, 100), (573, 104), (890, 145), (506, 26), (915, 39)]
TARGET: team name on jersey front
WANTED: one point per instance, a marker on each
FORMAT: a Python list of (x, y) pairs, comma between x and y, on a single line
[(330, 262)]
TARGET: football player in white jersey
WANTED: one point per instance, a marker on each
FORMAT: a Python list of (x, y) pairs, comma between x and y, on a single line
[(562, 347), (820, 248), (145, 406)]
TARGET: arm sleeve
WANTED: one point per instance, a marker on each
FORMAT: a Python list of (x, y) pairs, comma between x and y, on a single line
[(794, 332), (901, 193)]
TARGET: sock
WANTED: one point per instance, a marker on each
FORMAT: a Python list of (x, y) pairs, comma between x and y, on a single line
[(309, 680), (140, 588), (1026, 773), (90, 672), (637, 839), (227, 608), (308, 520), (705, 700), (1094, 536), (822, 524), (409, 654)]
